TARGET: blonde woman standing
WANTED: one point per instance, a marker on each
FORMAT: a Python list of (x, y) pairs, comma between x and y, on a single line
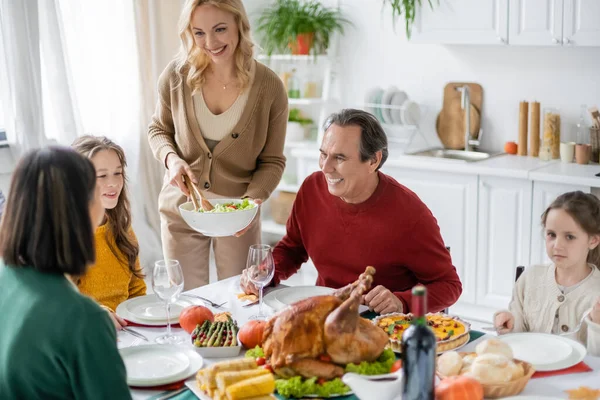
[(221, 120)]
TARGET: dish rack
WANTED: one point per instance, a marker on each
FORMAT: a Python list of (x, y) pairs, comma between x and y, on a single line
[(401, 137)]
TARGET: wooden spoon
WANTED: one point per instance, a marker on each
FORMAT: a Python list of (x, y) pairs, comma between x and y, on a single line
[(206, 205), (188, 183)]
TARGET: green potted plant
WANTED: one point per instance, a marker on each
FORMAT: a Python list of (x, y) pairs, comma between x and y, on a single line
[(298, 126), (299, 27), (408, 8)]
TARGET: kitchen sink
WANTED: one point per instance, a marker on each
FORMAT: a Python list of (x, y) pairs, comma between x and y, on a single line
[(461, 155)]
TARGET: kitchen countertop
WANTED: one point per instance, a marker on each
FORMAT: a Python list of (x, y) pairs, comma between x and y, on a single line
[(503, 165)]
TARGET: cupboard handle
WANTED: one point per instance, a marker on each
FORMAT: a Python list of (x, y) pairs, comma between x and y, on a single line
[(566, 41), (555, 40), (501, 39)]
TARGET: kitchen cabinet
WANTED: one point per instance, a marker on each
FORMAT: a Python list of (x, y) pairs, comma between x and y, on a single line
[(452, 198), (543, 194), (462, 22), (503, 237), (512, 22)]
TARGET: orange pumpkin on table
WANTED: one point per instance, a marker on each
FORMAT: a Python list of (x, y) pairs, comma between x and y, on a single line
[(511, 148), (194, 315), (251, 333), (459, 387)]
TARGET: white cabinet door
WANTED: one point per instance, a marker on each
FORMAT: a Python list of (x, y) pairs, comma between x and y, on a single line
[(503, 237), (452, 198), (581, 23), (462, 22), (536, 22), (544, 194)]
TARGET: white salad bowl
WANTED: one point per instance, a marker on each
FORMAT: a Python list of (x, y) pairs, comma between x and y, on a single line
[(218, 224)]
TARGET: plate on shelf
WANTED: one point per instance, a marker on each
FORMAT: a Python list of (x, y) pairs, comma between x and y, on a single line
[(372, 97), (386, 100), (153, 365), (398, 100), (546, 352)]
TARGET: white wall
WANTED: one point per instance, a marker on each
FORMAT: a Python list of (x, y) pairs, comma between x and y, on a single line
[(372, 54)]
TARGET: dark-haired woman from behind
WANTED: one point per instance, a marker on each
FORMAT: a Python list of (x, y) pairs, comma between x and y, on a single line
[(54, 342)]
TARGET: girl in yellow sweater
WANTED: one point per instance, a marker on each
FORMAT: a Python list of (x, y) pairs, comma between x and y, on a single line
[(117, 275)]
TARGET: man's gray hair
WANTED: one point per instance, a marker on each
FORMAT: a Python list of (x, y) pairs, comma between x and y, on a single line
[(372, 135)]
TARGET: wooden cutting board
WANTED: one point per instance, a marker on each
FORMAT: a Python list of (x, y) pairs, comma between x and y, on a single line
[(450, 124)]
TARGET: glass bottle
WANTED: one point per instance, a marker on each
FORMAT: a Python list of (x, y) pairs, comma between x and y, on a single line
[(294, 86), (418, 352), (582, 130)]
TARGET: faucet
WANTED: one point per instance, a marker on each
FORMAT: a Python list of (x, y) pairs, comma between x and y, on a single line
[(465, 101)]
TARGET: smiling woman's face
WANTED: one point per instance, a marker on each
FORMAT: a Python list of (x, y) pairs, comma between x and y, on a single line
[(215, 32)]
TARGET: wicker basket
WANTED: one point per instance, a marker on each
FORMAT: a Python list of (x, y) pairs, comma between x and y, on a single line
[(281, 207), (507, 389)]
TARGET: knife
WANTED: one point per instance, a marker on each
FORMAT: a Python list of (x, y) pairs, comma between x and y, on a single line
[(134, 333)]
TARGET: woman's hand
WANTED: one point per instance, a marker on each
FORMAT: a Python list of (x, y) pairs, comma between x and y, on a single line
[(595, 314), (504, 322), (247, 286), (382, 301), (178, 168), (117, 321), (240, 233)]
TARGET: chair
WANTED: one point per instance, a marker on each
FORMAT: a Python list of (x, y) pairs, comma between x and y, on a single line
[(446, 310), (519, 271)]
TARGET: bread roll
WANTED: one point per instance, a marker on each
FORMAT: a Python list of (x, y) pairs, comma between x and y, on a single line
[(494, 346), (468, 359), (449, 363), (516, 370), (491, 369)]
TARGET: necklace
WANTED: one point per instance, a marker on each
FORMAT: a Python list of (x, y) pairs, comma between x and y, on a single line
[(220, 82)]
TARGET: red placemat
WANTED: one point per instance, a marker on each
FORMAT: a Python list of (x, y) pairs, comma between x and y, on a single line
[(169, 386), (575, 369), (130, 323)]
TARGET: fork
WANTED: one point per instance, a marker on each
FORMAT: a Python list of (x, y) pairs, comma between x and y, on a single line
[(212, 304), (585, 314)]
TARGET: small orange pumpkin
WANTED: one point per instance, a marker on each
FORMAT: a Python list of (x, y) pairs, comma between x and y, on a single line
[(460, 387), (251, 333), (511, 148), (194, 315)]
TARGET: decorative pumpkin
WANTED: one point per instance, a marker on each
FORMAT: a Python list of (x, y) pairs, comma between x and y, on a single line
[(251, 333), (194, 315), (459, 387)]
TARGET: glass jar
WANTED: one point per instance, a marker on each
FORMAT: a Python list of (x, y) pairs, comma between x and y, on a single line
[(550, 148)]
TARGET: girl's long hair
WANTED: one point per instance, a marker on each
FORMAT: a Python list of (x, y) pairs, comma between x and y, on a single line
[(584, 208), (192, 62), (118, 218)]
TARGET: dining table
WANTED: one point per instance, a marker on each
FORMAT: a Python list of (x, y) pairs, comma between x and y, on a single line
[(227, 290)]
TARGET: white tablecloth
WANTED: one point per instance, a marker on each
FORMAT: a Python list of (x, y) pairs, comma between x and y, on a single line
[(227, 290)]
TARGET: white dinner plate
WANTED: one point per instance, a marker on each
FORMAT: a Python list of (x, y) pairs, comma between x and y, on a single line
[(150, 310), (281, 298), (152, 365), (386, 100), (546, 352)]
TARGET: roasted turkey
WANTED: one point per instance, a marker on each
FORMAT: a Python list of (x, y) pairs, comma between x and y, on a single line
[(316, 337)]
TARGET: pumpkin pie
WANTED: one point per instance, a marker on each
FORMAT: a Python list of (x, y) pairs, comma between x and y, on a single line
[(451, 332)]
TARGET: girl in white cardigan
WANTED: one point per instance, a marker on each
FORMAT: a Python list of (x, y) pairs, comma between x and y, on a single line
[(553, 299)]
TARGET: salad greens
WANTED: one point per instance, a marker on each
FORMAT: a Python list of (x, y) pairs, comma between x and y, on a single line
[(230, 207), (299, 387)]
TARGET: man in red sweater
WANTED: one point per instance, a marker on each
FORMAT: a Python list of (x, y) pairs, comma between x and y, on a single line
[(351, 215)]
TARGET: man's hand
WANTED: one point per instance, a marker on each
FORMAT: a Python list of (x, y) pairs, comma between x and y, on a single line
[(240, 233), (504, 322), (382, 301), (595, 314), (247, 286)]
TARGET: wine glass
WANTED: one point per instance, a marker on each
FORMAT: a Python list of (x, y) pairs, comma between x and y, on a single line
[(167, 283), (260, 269)]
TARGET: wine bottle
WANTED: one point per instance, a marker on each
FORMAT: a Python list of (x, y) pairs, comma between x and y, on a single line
[(418, 352)]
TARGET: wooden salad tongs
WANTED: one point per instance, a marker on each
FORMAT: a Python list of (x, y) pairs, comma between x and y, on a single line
[(193, 189)]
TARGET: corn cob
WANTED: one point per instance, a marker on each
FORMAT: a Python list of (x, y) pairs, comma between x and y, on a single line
[(252, 387), (228, 378), (233, 365)]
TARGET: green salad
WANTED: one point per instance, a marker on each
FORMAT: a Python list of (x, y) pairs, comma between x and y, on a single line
[(299, 387), (230, 207)]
